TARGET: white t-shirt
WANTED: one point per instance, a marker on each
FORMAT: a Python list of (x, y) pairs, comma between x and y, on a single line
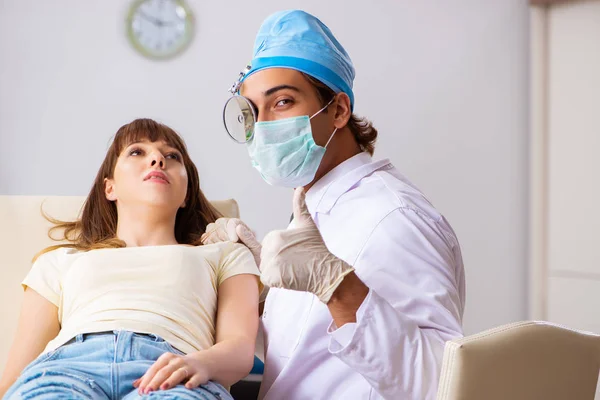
[(169, 291)]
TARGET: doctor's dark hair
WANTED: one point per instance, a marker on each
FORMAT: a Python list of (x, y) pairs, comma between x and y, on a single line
[(362, 129), (96, 227)]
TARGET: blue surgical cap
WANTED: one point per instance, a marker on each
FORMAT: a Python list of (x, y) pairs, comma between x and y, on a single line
[(298, 40)]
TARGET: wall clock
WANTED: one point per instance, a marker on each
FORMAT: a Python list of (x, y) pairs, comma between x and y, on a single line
[(160, 29)]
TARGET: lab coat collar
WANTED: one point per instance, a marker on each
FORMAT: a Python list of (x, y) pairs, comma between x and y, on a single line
[(323, 195)]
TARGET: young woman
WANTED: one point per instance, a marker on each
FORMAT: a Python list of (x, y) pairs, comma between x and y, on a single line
[(133, 305)]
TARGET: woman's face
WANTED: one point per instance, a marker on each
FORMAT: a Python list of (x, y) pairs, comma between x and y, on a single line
[(148, 174)]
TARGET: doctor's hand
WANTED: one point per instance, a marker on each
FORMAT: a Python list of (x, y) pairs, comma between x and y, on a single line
[(234, 230), (298, 259)]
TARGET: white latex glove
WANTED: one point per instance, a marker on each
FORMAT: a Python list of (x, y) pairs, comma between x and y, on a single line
[(298, 259), (233, 230)]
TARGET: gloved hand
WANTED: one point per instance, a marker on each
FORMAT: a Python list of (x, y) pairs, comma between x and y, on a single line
[(234, 230), (298, 259)]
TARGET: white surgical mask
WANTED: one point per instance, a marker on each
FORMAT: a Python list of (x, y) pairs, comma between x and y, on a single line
[(284, 152)]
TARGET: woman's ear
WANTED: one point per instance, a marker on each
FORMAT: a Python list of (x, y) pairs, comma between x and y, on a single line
[(343, 110), (109, 189)]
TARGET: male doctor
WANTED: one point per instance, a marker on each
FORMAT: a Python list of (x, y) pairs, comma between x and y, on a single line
[(367, 283)]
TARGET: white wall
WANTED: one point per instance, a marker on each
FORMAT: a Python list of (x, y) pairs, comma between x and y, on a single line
[(445, 83), (573, 187)]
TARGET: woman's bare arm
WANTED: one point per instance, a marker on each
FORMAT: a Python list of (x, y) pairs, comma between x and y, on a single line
[(232, 356), (38, 324)]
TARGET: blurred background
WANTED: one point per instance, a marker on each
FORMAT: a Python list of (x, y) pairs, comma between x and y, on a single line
[(490, 107)]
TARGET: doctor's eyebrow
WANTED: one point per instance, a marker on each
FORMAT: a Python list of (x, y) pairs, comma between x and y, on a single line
[(280, 87)]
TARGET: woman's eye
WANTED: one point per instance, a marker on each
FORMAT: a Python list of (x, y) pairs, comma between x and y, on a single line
[(173, 156), (135, 152)]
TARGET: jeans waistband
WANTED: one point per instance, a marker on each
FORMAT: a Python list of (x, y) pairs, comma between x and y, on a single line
[(82, 337)]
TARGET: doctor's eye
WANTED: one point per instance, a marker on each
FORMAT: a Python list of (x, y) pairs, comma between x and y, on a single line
[(284, 102)]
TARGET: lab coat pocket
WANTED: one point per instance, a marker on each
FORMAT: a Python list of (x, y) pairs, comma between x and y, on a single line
[(284, 320)]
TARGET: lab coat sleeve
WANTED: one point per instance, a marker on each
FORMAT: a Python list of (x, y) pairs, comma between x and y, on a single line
[(413, 268)]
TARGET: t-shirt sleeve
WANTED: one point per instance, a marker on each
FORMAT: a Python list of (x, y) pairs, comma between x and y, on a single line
[(236, 260), (45, 277)]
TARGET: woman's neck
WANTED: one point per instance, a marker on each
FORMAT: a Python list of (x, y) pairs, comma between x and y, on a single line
[(146, 226)]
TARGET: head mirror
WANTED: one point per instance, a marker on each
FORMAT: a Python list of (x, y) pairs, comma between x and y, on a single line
[(239, 118)]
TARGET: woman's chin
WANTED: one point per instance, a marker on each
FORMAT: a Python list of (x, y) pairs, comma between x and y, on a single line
[(160, 202)]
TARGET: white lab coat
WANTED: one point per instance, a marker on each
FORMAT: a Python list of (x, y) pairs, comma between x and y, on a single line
[(408, 255)]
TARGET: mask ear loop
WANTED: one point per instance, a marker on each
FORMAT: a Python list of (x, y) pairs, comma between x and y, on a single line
[(321, 110), (335, 130), (330, 137)]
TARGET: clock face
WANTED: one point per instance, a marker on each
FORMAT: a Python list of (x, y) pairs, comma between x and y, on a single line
[(160, 29)]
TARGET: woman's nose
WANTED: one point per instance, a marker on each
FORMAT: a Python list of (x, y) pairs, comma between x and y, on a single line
[(157, 159)]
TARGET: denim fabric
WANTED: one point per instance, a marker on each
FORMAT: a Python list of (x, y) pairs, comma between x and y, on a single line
[(102, 366)]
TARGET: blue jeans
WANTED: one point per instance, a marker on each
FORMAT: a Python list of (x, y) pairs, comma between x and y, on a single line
[(102, 366)]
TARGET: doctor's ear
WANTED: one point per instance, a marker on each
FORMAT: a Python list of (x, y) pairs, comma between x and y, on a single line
[(343, 110)]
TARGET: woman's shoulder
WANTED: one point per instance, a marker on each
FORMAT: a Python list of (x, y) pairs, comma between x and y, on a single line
[(224, 251), (56, 254), (224, 247), (59, 257), (219, 250)]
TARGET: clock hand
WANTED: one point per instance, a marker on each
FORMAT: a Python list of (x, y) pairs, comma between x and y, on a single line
[(154, 20)]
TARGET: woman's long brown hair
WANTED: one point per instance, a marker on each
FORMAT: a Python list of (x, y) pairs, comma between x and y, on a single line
[(96, 226)]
